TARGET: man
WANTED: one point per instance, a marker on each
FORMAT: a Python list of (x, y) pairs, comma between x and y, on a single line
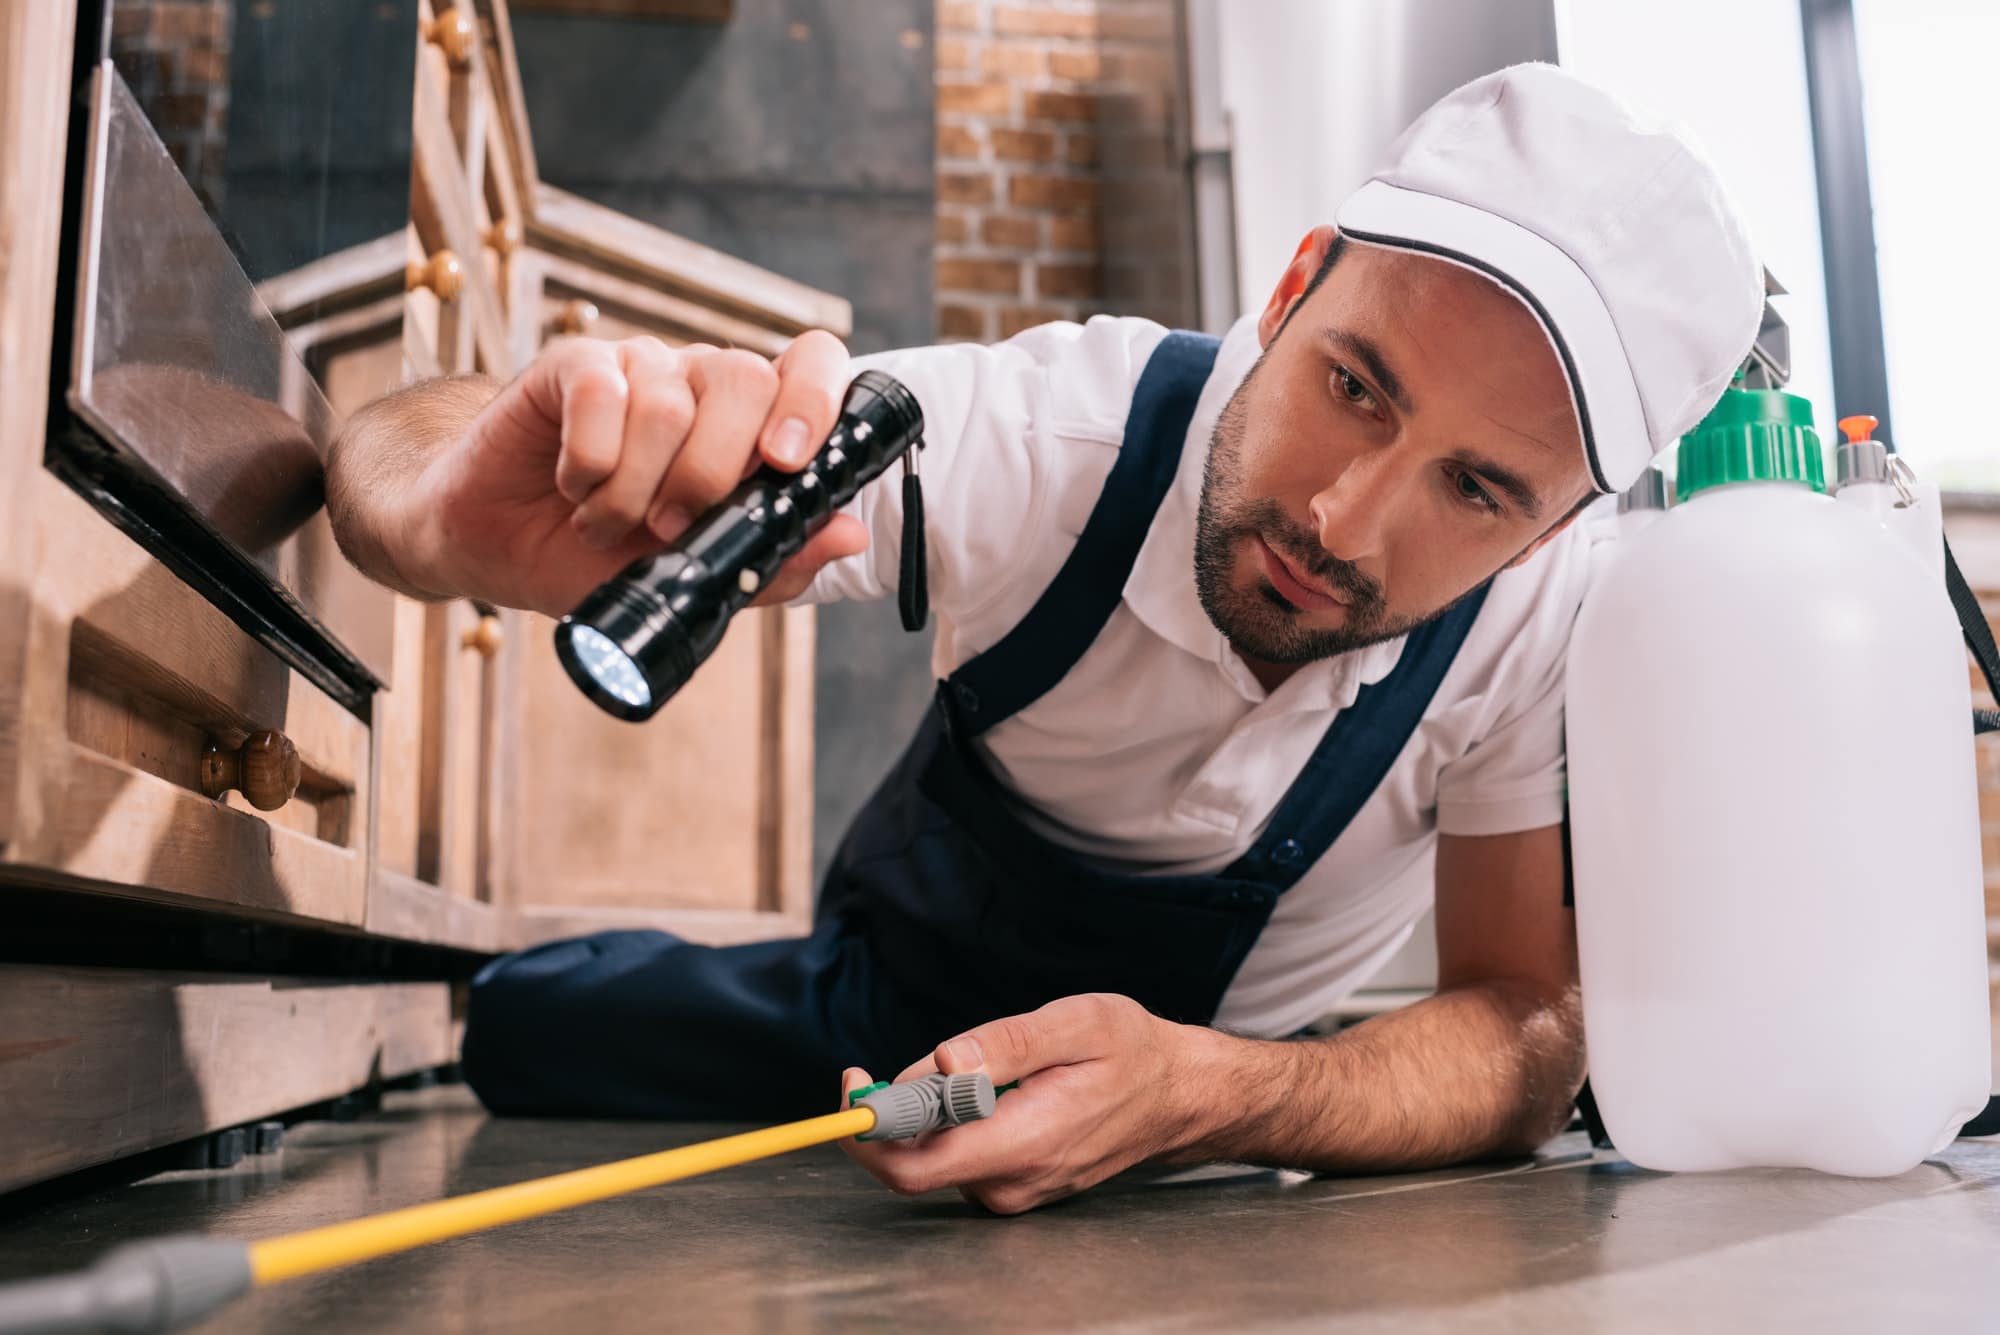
[(1233, 639)]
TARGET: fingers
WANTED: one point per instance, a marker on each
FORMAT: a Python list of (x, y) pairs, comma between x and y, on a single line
[(651, 435), (844, 535), (734, 391), (908, 1168), (659, 411), (812, 376), (590, 389), (873, 1155), (1058, 1133), (1006, 1164), (1067, 1030)]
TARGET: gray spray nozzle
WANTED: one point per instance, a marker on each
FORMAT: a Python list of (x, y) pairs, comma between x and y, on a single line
[(930, 1103), (159, 1285)]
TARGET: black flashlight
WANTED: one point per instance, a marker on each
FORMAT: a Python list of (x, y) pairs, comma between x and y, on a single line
[(639, 636)]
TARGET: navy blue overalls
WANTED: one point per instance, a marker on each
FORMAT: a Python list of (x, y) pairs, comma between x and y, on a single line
[(942, 910)]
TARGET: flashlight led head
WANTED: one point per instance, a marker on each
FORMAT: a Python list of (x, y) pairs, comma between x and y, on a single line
[(625, 648), (605, 666)]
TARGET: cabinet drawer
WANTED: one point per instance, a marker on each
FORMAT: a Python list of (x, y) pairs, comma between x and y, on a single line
[(152, 724)]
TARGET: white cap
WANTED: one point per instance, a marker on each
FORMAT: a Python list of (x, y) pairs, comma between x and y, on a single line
[(1610, 226)]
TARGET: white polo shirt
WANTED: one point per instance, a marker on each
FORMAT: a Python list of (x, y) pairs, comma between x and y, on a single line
[(1160, 752)]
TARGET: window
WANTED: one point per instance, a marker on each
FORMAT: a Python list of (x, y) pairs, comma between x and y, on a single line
[(1933, 135), (1733, 72)]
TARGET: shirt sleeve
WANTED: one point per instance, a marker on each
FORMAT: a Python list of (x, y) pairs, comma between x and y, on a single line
[(971, 426), (1513, 778), (994, 417)]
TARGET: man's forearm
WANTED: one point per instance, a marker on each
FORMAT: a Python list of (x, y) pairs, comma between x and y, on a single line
[(372, 471), (1476, 1070)]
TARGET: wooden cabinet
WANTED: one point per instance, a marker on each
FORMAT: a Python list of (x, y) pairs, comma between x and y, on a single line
[(477, 800), (152, 749), (367, 320), (700, 820), (508, 808), (127, 699), (34, 92), (138, 700)]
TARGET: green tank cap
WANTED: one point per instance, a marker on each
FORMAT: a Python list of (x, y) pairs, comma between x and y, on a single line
[(1752, 435)]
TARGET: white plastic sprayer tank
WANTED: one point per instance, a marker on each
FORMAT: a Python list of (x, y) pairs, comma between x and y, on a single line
[(1775, 823)]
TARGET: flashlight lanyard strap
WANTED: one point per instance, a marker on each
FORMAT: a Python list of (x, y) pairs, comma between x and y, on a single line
[(913, 593)]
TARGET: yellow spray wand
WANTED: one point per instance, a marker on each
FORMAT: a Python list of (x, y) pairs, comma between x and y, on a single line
[(168, 1282)]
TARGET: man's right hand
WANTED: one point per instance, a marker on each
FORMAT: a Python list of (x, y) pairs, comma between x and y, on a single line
[(602, 452)]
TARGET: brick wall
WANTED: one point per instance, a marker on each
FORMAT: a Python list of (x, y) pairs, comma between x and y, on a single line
[(1061, 190), (175, 55)]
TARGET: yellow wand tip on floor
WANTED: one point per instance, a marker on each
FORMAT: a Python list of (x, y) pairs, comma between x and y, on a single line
[(297, 1254)]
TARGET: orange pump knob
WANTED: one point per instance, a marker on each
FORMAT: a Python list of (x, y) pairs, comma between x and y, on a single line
[(1858, 429)]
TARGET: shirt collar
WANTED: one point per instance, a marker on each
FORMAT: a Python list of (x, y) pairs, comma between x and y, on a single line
[(1161, 590)]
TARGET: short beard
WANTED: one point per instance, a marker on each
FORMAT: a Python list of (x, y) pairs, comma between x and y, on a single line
[(1259, 622)]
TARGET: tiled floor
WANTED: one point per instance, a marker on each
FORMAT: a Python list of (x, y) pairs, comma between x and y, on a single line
[(1573, 1241)]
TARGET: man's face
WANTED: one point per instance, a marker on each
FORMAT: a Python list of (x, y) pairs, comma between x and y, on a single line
[(1406, 433)]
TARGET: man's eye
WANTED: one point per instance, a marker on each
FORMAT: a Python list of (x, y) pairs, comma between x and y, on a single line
[(1470, 491), (1352, 389)]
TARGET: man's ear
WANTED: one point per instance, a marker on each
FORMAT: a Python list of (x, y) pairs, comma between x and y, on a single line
[(1293, 282)]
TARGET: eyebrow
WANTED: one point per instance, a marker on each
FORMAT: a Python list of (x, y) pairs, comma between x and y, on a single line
[(1369, 353), (1506, 479)]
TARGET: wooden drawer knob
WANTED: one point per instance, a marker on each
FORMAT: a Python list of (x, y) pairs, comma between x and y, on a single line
[(453, 33), (576, 316), (485, 635), (504, 237), (442, 274), (265, 767)]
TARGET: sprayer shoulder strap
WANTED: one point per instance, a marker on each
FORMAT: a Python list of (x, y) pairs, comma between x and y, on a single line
[(1979, 639)]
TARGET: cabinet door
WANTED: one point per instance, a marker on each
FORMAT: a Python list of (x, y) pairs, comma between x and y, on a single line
[(35, 41), (699, 820)]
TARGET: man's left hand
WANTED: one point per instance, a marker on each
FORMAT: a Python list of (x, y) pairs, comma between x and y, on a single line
[(1104, 1084)]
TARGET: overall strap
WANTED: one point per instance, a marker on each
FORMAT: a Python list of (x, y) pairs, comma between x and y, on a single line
[(1356, 753), (1038, 652)]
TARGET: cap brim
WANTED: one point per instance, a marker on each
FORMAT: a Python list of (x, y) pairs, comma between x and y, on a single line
[(1549, 283)]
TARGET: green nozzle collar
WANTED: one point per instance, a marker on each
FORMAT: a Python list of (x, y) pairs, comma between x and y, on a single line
[(1752, 435)]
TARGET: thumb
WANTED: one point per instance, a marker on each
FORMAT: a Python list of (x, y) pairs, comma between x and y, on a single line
[(843, 536), (1059, 1034)]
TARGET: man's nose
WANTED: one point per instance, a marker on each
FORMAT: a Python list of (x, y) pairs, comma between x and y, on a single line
[(1356, 511)]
